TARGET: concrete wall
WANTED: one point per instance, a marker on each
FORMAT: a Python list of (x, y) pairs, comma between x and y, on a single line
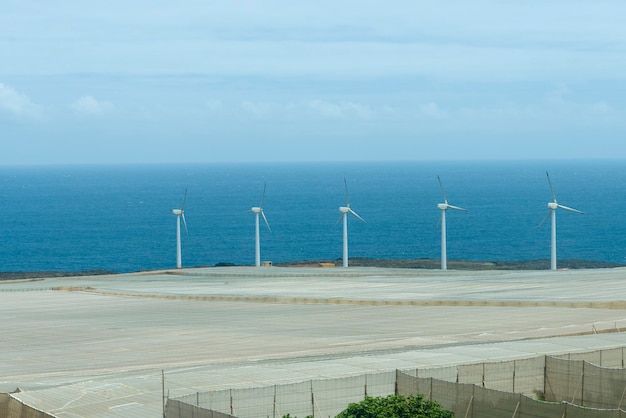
[(4, 405), (13, 408)]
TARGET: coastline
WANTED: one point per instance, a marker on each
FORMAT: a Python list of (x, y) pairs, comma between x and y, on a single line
[(419, 263), (432, 264)]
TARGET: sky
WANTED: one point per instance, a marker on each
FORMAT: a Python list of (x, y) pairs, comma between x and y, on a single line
[(201, 81)]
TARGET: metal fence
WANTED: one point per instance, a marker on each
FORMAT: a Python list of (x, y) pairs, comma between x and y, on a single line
[(565, 386)]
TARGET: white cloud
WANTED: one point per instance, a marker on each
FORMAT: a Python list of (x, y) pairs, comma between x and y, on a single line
[(258, 110), (88, 105), (431, 110), (461, 41), (341, 110), (213, 105), (15, 103), (264, 110)]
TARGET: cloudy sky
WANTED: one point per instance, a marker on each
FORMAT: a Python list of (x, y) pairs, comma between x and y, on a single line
[(251, 80)]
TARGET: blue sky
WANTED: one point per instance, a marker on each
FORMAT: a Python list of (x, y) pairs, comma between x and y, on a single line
[(206, 81)]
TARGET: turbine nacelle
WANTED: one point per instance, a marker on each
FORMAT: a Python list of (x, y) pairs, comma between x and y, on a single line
[(344, 210), (258, 210), (446, 206), (552, 207), (177, 212)]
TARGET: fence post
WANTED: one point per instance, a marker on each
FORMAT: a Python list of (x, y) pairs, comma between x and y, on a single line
[(395, 389), (163, 390), (366, 385), (430, 393), (312, 401), (546, 382), (232, 407), (483, 379), (514, 368), (582, 386), (274, 409)]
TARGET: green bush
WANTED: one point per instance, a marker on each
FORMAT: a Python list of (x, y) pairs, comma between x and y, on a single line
[(395, 407)]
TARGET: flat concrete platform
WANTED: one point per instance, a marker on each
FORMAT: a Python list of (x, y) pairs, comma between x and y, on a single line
[(97, 346)]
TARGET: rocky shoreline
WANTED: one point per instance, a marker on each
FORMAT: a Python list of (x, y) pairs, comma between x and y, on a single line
[(426, 263), (20, 275), (419, 263)]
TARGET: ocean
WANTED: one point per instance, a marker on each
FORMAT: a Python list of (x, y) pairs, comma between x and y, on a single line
[(119, 217)]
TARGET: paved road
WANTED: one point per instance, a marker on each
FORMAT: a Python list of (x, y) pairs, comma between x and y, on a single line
[(92, 346)]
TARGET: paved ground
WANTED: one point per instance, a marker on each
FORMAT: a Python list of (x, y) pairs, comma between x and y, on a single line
[(97, 346)]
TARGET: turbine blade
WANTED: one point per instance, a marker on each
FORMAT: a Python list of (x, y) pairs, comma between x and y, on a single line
[(266, 223), (263, 195), (457, 208), (340, 219), (571, 209), (345, 182), (551, 188), (184, 222), (545, 218), (443, 192), (357, 216), (182, 207)]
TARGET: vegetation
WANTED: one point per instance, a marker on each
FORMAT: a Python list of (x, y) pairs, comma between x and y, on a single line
[(427, 263), (21, 275), (393, 406)]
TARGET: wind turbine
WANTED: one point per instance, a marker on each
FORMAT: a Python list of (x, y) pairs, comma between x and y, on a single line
[(344, 210), (259, 210), (552, 207), (180, 213), (444, 207)]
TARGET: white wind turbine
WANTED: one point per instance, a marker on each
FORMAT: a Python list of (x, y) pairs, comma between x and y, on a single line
[(180, 213), (344, 210), (444, 207), (552, 207), (259, 210)]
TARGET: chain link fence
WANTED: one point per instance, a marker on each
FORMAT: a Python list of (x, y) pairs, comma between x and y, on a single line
[(574, 385)]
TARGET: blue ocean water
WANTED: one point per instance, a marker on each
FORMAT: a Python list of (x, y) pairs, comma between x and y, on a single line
[(118, 217)]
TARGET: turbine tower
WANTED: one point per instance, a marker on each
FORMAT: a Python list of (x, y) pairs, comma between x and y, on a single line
[(259, 210), (180, 213), (344, 210), (552, 207), (444, 207)]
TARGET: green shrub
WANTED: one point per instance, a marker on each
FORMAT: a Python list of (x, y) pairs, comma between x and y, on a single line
[(395, 406)]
